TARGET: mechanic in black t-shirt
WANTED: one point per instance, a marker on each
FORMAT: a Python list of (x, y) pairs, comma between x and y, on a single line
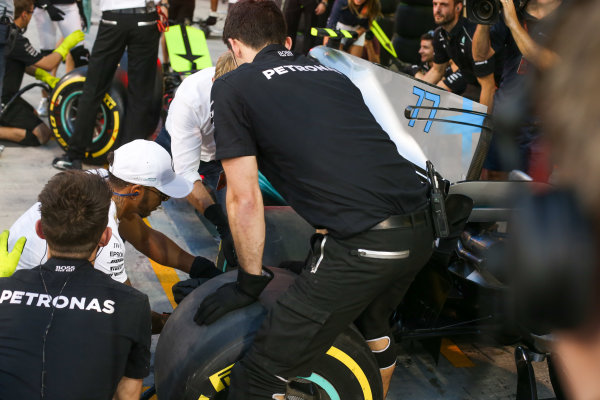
[(452, 41), (70, 331), (21, 124), (340, 171)]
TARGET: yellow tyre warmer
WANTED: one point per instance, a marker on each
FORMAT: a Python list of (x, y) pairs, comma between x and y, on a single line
[(187, 48), (195, 362), (63, 113)]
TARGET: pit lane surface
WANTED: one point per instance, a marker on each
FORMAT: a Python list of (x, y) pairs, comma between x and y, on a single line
[(470, 368)]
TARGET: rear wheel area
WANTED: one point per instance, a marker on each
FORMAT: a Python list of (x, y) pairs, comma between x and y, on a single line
[(195, 362), (63, 112)]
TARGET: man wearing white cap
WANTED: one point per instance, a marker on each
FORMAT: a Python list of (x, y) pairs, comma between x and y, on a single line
[(141, 177)]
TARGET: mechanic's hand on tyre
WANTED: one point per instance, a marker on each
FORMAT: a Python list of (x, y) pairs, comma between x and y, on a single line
[(9, 261), (232, 296), (44, 76), (214, 213), (203, 268), (69, 42)]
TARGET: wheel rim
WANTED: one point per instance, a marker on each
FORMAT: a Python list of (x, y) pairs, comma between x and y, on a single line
[(68, 114), (324, 386)]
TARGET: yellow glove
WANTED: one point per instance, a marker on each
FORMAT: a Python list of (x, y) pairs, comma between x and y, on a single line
[(9, 261), (42, 75), (69, 42)]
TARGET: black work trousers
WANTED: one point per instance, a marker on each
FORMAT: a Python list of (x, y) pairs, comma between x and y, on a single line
[(116, 33), (338, 288), (293, 10)]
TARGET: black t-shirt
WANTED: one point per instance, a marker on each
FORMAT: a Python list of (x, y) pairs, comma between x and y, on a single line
[(99, 333), (456, 46), (315, 140), (21, 56)]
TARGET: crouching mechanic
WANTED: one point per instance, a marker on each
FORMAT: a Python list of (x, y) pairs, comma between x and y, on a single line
[(68, 330), (141, 178), (20, 124), (366, 200)]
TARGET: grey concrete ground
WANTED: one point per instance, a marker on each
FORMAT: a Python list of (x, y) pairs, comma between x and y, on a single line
[(23, 171)]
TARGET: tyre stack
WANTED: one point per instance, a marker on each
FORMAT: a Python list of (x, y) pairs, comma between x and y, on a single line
[(413, 18)]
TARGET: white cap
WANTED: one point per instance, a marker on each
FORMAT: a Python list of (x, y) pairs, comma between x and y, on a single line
[(147, 163)]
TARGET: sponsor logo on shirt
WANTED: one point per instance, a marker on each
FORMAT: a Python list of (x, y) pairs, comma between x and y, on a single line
[(65, 268), (284, 69), (285, 53), (31, 50), (45, 300)]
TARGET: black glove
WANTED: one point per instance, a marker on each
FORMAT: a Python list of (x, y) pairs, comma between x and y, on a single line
[(203, 268), (55, 13), (232, 296), (215, 214)]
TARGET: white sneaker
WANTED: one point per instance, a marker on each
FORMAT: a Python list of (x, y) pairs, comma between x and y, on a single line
[(42, 108)]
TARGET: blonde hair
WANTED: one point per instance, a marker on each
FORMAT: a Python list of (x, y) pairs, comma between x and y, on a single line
[(371, 9), (226, 63)]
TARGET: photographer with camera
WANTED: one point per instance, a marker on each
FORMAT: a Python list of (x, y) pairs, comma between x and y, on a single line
[(520, 35), (452, 41)]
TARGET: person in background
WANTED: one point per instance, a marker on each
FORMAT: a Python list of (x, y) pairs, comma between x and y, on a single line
[(188, 136), (125, 25), (6, 17), (354, 15), (20, 124), (520, 35), (452, 41), (306, 11), (64, 14)]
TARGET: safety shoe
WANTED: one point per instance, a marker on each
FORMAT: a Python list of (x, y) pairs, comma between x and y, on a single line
[(65, 162), (42, 108)]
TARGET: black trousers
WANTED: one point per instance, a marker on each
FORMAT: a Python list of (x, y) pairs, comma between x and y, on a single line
[(340, 287), (141, 43), (293, 10)]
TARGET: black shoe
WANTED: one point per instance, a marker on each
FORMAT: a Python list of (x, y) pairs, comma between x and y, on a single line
[(211, 20), (65, 162)]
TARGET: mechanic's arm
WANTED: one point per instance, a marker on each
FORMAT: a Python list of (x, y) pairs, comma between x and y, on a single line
[(154, 244), (53, 59), (246, 211), (436, 73), (128, 389), (488, 88), (539, 56), (481, 46)]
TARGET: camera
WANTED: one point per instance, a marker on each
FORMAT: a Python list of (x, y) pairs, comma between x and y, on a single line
[(487, 12)]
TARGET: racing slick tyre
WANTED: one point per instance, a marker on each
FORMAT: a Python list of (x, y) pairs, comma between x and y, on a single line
[(63, 112), (194, 362), (281, 222)]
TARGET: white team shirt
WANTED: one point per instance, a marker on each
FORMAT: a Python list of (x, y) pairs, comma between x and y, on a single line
[(190, 126), (109, 259)]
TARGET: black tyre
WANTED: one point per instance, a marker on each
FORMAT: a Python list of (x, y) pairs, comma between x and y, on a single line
[(109, 122), (282, 222), (194, 362), (413, 21)]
